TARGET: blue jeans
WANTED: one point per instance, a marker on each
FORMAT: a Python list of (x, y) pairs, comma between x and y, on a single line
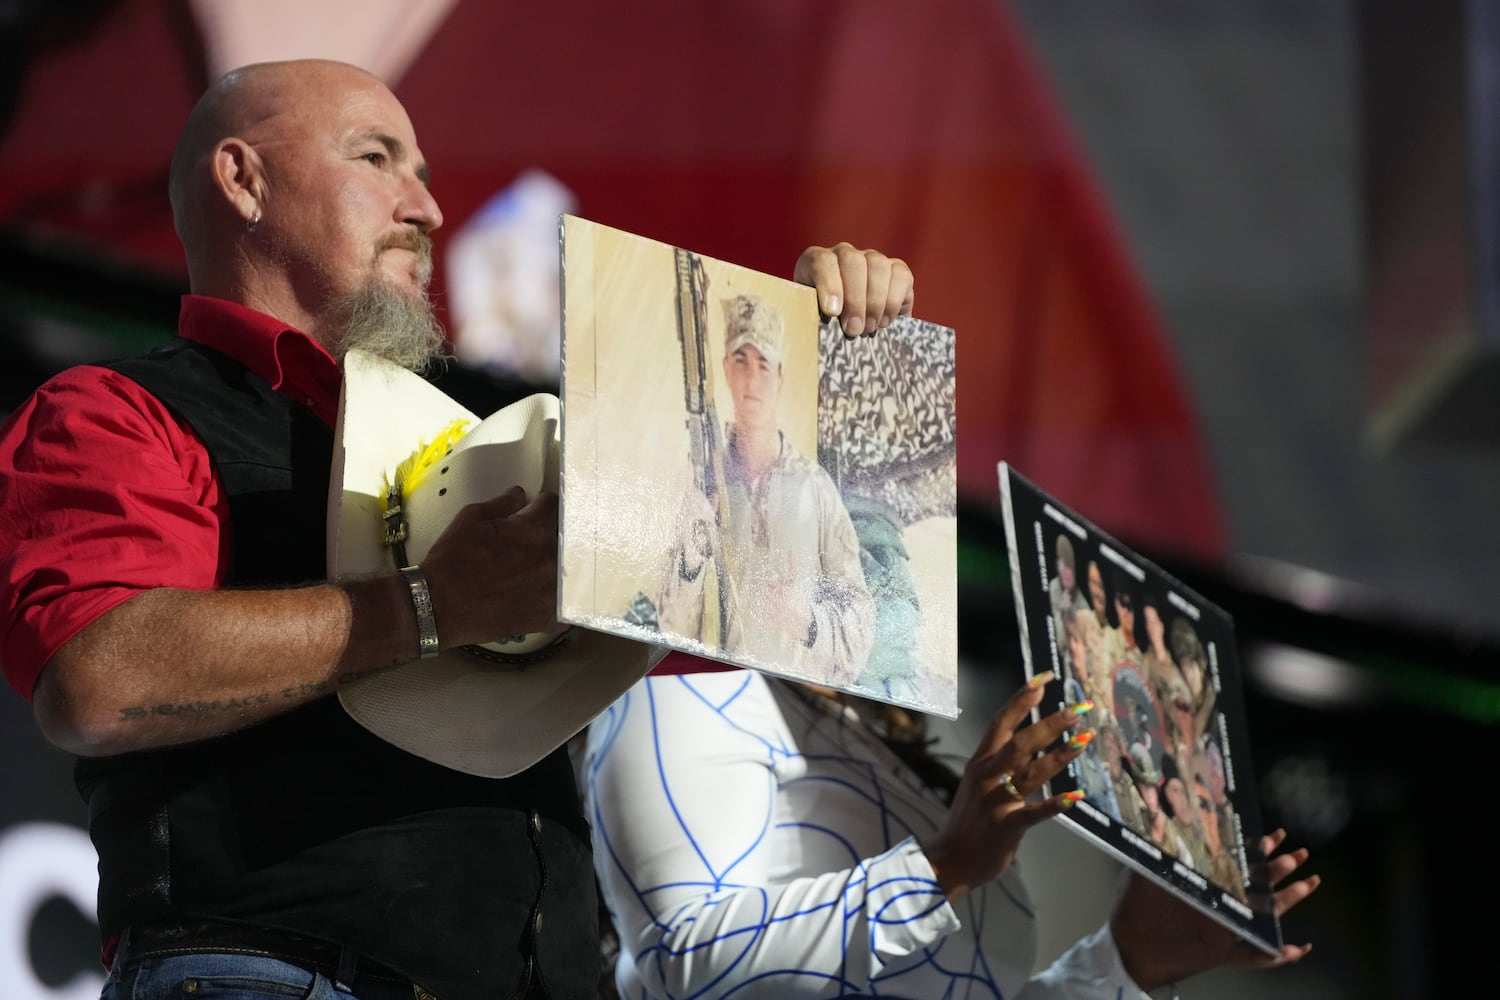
[(223, 976)]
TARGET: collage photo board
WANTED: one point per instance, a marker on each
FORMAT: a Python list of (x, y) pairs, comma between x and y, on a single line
[(1167, 782), (743, 483)]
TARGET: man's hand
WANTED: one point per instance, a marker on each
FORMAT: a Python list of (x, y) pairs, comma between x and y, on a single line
[(865, 289), (493, 571), (1164, 940)]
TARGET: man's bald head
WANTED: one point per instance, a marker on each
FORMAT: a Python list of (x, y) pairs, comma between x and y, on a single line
[(242, 102)]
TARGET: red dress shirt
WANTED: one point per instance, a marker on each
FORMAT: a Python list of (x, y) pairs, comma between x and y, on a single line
[(104, 494)]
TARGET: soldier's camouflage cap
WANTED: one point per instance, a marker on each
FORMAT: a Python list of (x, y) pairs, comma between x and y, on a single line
[(749, 319)]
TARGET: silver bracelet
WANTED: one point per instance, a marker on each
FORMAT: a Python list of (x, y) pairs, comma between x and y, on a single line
[(421, 603)]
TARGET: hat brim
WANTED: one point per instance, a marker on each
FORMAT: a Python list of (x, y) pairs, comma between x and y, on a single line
[(457, 709)]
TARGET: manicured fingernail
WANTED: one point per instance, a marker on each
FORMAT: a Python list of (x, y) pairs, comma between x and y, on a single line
[(1081, 740), (1082, 707), (832, 306), (885, 321), (1040, 679), (1069, 798), (854, 326)]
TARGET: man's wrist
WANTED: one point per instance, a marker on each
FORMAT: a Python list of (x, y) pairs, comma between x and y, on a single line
[(428, 645)]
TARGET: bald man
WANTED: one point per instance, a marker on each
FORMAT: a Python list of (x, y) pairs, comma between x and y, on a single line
[(165, 607)]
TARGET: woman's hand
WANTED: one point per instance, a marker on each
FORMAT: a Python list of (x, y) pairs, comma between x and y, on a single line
[(1164, 940), (990, 813)]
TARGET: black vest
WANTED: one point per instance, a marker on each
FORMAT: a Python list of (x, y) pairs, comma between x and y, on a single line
[(307, 822)]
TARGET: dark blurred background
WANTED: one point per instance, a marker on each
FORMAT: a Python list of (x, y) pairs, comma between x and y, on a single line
[(1224, 276)]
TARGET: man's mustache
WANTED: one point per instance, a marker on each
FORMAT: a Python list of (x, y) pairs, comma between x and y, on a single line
[(418, 243), (414, 240)]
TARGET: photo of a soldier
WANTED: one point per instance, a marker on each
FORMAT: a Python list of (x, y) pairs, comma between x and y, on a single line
[(1157, 824), (1098, 600), (1187, 651), (1083, 646), (767, 565), (1187, 802), (1064, 594), (1222, 866), (1211, 782), (1158, 659), (742, 482), (1112, 746), (1124, 642), (1187, 702)]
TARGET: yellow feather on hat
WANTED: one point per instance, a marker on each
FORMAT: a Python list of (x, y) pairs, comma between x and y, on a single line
[(415, 467)]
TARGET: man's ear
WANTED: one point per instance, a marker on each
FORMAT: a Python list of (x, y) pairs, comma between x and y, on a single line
[(239, 177)]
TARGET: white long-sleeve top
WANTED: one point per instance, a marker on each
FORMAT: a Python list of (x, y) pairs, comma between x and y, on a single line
[(750, 845)]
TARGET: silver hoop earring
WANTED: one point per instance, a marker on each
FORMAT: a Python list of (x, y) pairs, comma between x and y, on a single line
[(250, 226)]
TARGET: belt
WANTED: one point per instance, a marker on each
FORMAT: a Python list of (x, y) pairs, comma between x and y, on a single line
[(332, 960)]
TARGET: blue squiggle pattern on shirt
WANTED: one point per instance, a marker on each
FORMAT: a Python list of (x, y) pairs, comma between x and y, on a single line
[(750, 846)]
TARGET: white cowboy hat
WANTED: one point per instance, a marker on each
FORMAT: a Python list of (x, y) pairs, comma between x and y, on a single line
[(493, 710)]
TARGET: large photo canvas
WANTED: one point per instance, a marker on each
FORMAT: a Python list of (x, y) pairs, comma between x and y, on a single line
[(1165, 779), (741, 482)]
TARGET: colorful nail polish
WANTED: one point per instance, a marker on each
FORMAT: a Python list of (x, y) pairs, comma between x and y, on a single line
[(1082, 707), (1070, 798), (1040, 679), (1081, 740)]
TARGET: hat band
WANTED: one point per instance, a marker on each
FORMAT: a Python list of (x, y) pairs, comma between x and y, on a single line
[(395, 525), (518, 662)]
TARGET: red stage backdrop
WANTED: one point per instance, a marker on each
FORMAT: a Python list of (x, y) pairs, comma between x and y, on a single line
[(745, 129)]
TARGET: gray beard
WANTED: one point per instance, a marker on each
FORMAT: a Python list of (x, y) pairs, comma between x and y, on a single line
[(391, 324)]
